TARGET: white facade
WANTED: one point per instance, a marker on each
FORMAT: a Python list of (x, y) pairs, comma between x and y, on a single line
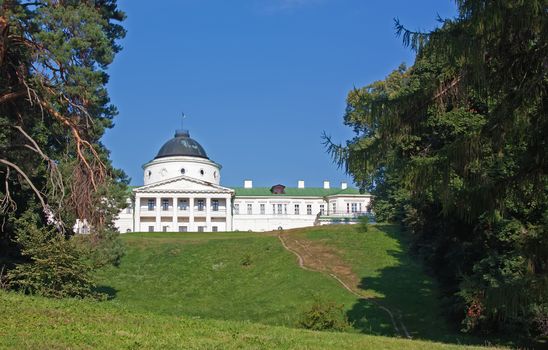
[(182, 193), (298, 207)]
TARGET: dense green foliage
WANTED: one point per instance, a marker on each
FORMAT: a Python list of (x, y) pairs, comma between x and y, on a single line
[(54, 108), (455, 149), (56, 268), (38, 323), (324, 315)]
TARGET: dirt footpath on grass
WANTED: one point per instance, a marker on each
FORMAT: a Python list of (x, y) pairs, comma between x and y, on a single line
[(316, 256)]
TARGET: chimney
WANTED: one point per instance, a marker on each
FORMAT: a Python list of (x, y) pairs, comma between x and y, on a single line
[(344, 185), (300, 184), (248, 183), (326, 185)]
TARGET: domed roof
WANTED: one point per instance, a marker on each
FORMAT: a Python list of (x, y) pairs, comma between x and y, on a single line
[(182, 145)]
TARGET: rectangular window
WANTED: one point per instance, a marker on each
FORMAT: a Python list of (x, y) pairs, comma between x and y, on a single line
[(236, 209), (183, 229), (360, 208), (285, 209), (165, 228), (296, 209), (347, 208), (309, 209), (151, 204), (214, 228), (201, 228), (273, 209), (201, 205), (249, 209), (215, 204), (151, 229), (280, 209), (165, 204), (183, 204), (334, 208), (263, 209), (322, 209), (128, 209), (354, 207)]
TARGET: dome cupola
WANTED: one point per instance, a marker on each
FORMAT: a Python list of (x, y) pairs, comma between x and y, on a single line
[(182, 145), (182, 155)]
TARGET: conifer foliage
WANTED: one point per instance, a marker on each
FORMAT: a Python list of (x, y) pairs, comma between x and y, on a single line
[(54, 108), (455, 149)]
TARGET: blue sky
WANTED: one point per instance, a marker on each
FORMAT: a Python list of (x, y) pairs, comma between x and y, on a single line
[(259, 80)]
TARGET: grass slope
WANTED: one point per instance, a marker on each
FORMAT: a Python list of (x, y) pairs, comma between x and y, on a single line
[(39, 323), (235, 276)]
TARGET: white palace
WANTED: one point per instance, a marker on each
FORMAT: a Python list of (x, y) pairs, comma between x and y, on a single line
[(182, 192)]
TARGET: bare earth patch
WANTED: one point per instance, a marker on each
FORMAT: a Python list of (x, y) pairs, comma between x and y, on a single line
[(319, 257)]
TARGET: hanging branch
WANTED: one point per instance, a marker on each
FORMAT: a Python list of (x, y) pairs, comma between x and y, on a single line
[(50, 216), (414, 40)]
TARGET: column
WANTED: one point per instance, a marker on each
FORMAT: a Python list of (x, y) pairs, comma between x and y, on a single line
[(137, 214), (191, 214), (158, 224), (229, 218), (208, 213), (175, 223)]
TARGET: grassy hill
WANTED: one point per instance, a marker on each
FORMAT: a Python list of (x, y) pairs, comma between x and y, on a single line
[(39, 323), (222, 276), (205, 289)]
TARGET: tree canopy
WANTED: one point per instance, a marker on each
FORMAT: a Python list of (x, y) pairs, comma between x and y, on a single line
[(54, 109), (454, 147)]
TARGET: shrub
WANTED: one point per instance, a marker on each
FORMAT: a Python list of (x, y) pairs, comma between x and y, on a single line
[(247, 260), (324, 315), (103, 248), (363, 223), (55, 265)]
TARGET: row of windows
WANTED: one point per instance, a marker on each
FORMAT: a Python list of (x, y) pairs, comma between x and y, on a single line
[(163, 172), (182, 204), (185, 228), (277, 209), (283, 208)]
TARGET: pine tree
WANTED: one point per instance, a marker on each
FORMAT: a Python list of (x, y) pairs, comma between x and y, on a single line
[(54, 108)]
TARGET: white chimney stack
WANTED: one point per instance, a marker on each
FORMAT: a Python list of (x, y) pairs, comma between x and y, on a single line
[(248, 183), (326, 185), (344, 185), (300, 184)]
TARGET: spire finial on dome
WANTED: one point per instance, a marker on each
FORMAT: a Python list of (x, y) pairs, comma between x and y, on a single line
[(182, 132), (183, 116)]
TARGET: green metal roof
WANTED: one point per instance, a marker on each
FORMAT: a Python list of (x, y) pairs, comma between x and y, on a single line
[(293, 192)]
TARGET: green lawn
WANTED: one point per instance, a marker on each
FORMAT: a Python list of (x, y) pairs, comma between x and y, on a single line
[(39, 323)]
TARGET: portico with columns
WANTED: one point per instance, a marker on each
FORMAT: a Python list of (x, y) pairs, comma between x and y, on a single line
[(182, 209), (182, 191)]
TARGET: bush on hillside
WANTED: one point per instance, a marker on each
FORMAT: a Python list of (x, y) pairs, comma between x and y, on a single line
[(103, 248), (363, 223), (324, 316), (56, 266)]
